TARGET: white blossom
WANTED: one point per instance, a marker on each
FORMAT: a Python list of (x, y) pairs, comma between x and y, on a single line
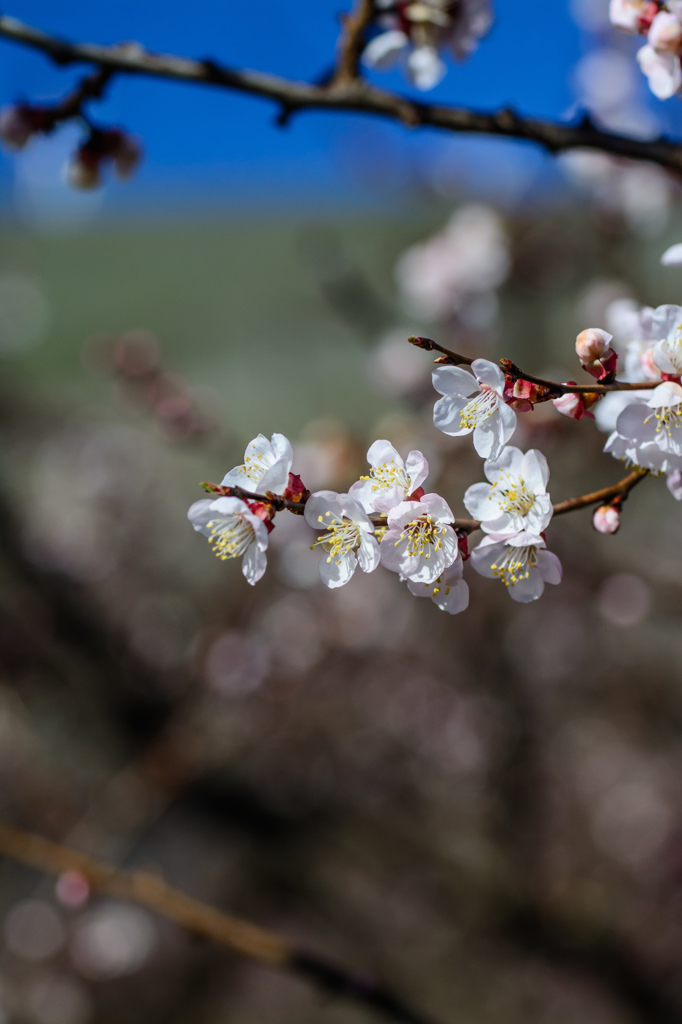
[(667, 352), (516, 497), (672, 257), (420, 542), (234, 532), (266, 466), (657, 422), (391, 479), (347, 536), (662, 69), (419, 29), (486, 413), (628, 15), (522, 563), (449, 592)]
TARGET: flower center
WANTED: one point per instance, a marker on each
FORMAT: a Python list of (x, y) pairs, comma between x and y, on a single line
[(513, 494), (342, 536), (230, 537), (254, 467), (389, 474), (516, 565), (422, 534), (479, 409), (668, 418)]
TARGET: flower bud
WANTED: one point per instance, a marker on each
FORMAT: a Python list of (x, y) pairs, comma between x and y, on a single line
[(125, 152), (591, 344), (606, 519), (83, 170), (576, 405), (665, 34), (16, 126)]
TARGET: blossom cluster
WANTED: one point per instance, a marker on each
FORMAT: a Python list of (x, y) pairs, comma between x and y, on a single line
[(415, 32), (102, 148), (661, 23)]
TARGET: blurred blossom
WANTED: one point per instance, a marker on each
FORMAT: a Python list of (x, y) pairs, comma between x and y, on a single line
[(642, 194), (396, 367), (42, 195), (325, 455), (24, 313), (291, 627), (72, 889), (57, 999), (372, 613), (236, 663), (112, 941), (624, 599), (608, 84), (457, 266), (590, 15), (631, 822), (32, 929), (298, 563), (599, 298)]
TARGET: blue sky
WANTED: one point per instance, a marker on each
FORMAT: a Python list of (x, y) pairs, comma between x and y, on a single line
[(207, 142)]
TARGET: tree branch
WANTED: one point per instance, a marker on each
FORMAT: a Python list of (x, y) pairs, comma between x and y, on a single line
[(448, 357), (606, 494), (355, 95), (240, 936), (352, 41)]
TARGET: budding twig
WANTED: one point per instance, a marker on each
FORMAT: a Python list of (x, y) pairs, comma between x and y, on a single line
[(240, 936), (356, 95), (619, 490), (510, 369)]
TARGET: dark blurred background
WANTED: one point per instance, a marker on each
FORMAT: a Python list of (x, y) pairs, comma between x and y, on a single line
[(484, 810)]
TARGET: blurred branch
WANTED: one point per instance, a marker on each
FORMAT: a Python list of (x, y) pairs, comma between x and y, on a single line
[(240, 936), (352, 41), (345, 95)]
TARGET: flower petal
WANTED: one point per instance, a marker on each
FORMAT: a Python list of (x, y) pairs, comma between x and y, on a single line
[(417, 469), (383, 51), (549, 567), (489, 373), (528, 589), (336, 572), (368, 554), (453, 380), (254, 563), (383, 451), (447, 415)]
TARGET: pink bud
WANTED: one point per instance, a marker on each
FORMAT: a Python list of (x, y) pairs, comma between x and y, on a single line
[(575, 405), (606, 519), (665, 34), (591, 344)]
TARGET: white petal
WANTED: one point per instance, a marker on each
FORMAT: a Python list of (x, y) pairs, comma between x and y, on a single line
[(383, 51), (549, 567), (535, 470), (404, 513), (528, 589), (338, 571), (394, 557), (510, 460), (437, 508), (486, 554), (317, 506), (453, 599), (383, 451), (200, 514), (662, 70), (489, 373), (417, 469), (254, 563), (672, 257), (478, 504), (365, 493), (453, 380), (368, 554), (425, 67), (447, 415)]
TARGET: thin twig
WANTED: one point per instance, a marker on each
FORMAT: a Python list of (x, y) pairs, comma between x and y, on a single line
[(603, 496), (241, 937), (356, 95), (352, 41), (451, 358)]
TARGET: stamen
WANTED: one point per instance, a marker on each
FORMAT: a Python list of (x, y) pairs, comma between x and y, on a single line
[(513, 494), (230, 537), (388, 474), (516, 565), (422, 535), (479, 409), (342, 536)]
